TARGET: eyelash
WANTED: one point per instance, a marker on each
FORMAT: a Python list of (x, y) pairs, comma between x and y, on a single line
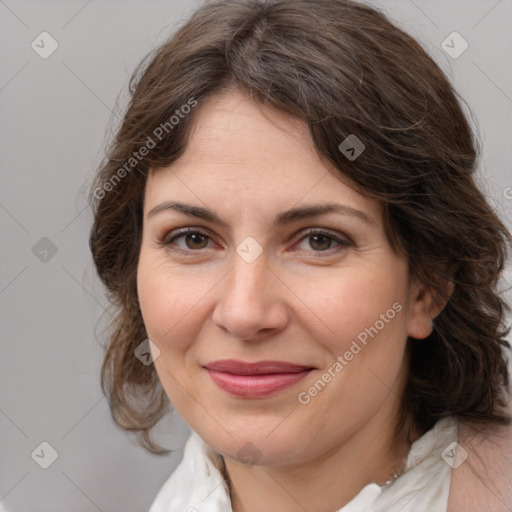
[(343, 243)]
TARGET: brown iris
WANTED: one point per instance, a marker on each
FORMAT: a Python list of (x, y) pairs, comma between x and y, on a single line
[(196, 241), (322, 242)]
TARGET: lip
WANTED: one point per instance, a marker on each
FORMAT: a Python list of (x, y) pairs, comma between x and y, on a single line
[(255, 379)]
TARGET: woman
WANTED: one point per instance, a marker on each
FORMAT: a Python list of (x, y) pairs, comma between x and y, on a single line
[(289, 213)]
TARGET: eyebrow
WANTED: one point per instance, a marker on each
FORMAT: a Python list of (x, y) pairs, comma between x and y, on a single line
[(283, 218)]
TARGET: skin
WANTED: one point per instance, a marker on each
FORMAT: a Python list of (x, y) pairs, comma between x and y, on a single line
[(297, 302)]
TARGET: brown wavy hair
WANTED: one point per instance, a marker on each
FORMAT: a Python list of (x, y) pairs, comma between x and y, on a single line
[(343, 68)]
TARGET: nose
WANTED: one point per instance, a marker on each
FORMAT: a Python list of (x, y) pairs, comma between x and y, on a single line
[(251, 301)]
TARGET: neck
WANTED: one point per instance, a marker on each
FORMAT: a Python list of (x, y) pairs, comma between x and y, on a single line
[(330, 481)]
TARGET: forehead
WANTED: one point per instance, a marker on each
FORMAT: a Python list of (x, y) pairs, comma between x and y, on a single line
[(231, 129), (252, 153)]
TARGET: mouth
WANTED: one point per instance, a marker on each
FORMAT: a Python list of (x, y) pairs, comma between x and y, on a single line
[(255, 380)]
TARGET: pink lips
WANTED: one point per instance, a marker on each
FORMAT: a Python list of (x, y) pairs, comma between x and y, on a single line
[(255, 380)]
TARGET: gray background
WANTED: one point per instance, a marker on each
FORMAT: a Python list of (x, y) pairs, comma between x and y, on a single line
[(55, 116)]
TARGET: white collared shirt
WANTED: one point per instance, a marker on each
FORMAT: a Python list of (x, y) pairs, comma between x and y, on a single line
[(197, 484)]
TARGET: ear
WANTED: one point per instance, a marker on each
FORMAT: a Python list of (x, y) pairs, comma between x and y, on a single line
[(424, 307)]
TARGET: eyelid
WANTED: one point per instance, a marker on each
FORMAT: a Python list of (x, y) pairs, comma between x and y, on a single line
[(165, 241), (341, 239)]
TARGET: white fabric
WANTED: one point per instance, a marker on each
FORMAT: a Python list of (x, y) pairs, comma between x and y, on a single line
[(197, 485)]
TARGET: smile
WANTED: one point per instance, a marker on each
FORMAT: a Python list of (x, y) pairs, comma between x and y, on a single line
[(255, 380)]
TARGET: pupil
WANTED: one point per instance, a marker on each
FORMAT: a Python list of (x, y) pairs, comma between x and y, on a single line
[(322, 242), (195, 241)]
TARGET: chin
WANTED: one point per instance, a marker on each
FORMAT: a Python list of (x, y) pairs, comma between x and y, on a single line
[(255, 443)]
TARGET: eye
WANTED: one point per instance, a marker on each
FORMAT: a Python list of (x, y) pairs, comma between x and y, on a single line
[(187, 240), (322, 241)]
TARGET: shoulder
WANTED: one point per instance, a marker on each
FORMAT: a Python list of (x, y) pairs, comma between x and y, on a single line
[(484, 480)]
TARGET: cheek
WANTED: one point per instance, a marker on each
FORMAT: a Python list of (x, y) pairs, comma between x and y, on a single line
[(169, 299), (172, 306), (362, 320), (353, 301)]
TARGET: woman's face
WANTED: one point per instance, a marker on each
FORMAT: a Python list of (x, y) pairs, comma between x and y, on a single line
[(314, 295)]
